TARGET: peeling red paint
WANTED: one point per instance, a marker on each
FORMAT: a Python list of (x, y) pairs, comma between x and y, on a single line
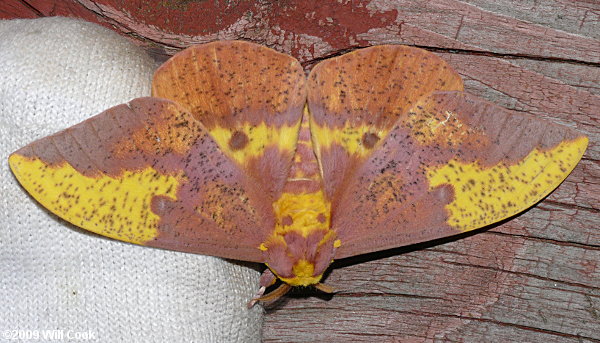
[(305, 29), (183, 16), (336, 22)]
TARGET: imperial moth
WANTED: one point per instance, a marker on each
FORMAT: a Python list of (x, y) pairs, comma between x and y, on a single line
[(239, 155)]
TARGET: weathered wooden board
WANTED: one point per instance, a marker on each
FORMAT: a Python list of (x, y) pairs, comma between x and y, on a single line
[(533, 279), (314, 28)]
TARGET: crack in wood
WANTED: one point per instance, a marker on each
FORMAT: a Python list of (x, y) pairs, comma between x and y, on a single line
[(569, 206), (385, 294), (513, 56), (546, 240), (32, 8), (515, 325), (534, 276)]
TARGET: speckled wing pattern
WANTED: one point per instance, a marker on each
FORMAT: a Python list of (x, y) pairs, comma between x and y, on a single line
[(408, 157), (249, 97), (404, 156), (196, 175)]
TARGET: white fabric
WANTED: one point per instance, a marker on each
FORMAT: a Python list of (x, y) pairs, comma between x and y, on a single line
[(56, 72)]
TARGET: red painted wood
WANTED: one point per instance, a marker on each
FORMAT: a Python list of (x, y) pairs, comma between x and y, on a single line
[(16, 9), (533, 279), (314, 28)]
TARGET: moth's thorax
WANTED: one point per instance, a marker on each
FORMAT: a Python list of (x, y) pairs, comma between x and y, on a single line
[(301, 246)]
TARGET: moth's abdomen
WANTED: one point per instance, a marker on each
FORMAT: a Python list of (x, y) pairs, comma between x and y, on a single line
[(302, 245)]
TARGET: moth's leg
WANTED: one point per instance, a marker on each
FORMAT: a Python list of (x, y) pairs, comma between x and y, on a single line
[(267, 278), (325, 288)]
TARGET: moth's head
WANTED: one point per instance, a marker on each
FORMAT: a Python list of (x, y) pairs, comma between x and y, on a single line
[(300, 260)]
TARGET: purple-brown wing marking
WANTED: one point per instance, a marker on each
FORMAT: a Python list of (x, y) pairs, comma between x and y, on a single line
[(453, 163), (148, 173)]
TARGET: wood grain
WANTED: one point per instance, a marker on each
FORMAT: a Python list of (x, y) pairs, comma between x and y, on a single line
[(535, 278)]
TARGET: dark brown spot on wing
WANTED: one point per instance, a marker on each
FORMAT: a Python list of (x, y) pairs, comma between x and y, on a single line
[(369, 140), (238, 140)]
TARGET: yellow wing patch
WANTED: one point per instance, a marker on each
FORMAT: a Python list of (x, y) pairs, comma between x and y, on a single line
[(114, 207), (486, 195), (355, 139), (249, 141)]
